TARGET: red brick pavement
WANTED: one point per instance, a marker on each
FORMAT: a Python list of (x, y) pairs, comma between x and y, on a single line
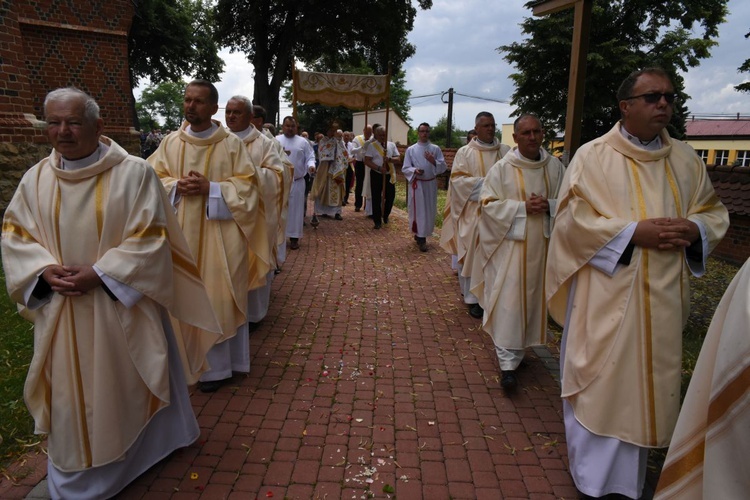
[(368, 379)]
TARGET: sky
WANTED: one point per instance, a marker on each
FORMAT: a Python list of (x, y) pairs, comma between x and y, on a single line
[(456, 47)]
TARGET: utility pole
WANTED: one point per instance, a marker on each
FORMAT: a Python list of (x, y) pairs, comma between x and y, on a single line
[(449, 121)]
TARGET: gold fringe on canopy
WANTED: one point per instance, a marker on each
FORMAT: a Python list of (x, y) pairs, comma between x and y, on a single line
[(335, 89)]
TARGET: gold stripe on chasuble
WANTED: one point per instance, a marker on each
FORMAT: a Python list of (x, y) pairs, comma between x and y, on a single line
[(151, 232), (16, 230), (186, 264), (732, 392), (58, 202), (179, 174), (522, 194), (684, 466), (673, 188), (543, 310), (99, 201), (457, 174), (201, 236), (76, 376), (648, 334), (481, 163)]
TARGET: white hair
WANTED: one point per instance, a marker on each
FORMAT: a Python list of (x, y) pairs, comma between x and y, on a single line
[(248, 104), (90, 107)]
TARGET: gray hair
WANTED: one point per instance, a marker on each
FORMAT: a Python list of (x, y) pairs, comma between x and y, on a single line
[(483, 114), (90, 107), (523, 117), (244, 100)]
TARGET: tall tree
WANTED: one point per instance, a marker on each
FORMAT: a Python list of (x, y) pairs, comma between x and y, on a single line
[(625, 35), (745, 68), (172, 38), (164, 100), (273, 34)]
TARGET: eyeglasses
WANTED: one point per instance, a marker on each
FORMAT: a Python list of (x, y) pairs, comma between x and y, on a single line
[(654, 97)]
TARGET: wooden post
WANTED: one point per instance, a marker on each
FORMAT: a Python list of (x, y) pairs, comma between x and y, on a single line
[(578, 54)]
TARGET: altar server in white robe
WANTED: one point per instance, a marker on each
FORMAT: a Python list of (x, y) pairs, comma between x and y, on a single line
[(301, 154), (423, 162)]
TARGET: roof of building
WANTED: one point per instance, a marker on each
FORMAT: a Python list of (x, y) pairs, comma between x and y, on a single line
[(717, 128), (732, 185)]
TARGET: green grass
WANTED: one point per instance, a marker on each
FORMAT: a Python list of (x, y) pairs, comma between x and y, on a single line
[(16, 349)]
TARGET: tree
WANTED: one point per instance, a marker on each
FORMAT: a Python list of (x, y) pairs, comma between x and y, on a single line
[(163, 100), (146, 121), (439, 133), (625, 35), (273, 34), (172, 38), (745, 68)]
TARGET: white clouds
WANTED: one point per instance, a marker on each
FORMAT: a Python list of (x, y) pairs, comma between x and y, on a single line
[(456, 47)]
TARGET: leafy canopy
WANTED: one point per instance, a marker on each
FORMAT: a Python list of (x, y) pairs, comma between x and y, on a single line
[(164, 101), (625, 35), (332, 34), (172, 38), (745, 68)]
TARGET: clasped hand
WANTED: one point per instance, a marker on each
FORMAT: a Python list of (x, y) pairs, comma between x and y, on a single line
[(71, 280), (537, 204), (665, 233), (193, 184)]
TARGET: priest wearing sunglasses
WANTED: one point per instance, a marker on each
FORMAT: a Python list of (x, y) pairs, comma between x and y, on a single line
[(637, 215)]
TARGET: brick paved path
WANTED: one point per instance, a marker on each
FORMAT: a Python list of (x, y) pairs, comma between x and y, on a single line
[(368, 379)]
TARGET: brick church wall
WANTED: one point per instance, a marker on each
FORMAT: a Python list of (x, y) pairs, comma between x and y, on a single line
[(46, 44)]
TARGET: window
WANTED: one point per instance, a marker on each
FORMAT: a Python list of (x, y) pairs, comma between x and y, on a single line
[(743, 158), (722, 157), (703, 153)]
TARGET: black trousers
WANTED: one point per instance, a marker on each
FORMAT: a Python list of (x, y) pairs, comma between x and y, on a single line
[(376, 189), (359, 176)]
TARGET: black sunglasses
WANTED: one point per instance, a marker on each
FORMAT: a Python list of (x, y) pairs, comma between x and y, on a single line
[(654, 97)]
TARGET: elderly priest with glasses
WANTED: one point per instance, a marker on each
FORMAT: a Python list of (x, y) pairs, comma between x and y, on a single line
[(637, 215)]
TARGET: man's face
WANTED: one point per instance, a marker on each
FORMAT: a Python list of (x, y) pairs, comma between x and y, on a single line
[(237, 115), (423, 133), (70, 132), (380, 135), (367, 132), (642, 119), (198, 107), (289, 128), (529, 137), (347, 137), (485, 128)]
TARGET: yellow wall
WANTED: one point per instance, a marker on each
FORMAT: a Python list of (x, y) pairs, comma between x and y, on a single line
[(712, 145)]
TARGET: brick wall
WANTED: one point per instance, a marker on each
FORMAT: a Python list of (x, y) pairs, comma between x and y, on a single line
[(46, 44), (735, 247)]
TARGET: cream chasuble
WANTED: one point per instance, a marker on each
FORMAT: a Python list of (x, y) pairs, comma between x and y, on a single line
[(270, 172), (508, 273), (461, 215), (232, 255), (708, 454), (623, 355), (112, 214)]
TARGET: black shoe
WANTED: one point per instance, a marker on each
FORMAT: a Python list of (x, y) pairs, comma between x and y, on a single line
[(211, 386), (508, 381), (377, 226), (252, 326), (422, 246), (385, 220), (338, 217), (293, 243), (277, 270), (357, 209), (476, 311), (369, 216)]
